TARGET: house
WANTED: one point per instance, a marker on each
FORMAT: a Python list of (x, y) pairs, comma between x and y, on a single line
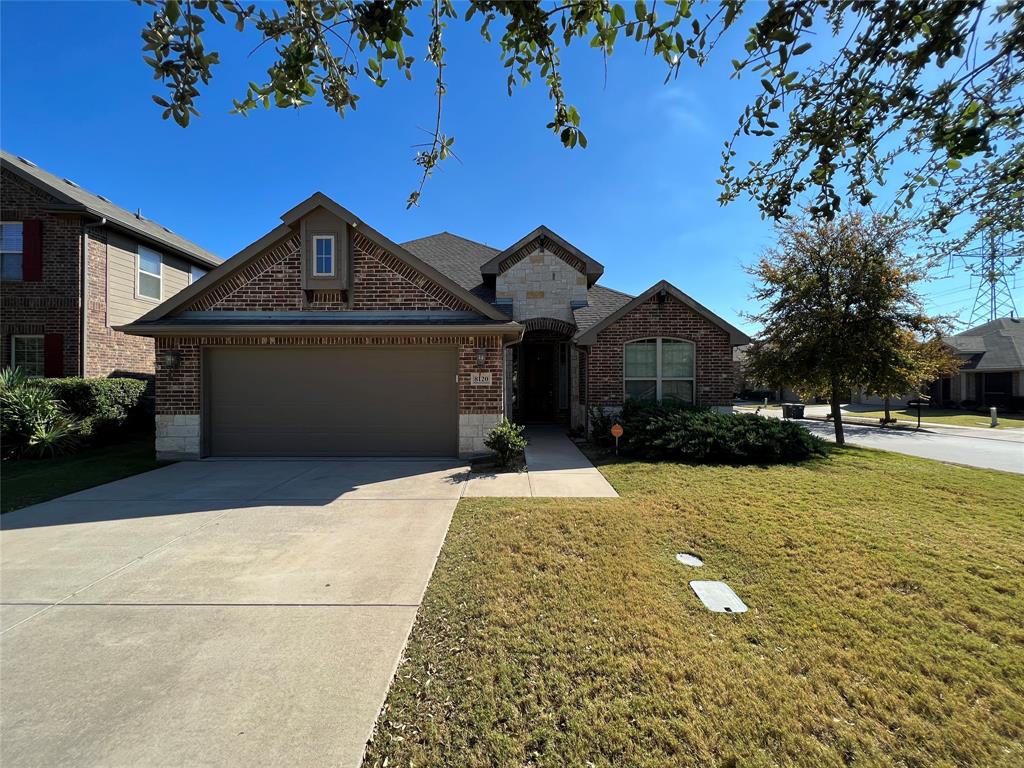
[(325, 338), (993, 369), (74, 266)]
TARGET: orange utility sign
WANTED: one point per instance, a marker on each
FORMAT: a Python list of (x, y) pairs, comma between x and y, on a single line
[(616, 431)]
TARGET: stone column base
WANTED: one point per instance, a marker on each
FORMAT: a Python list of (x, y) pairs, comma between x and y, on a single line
[(177, 437), (473, 429)]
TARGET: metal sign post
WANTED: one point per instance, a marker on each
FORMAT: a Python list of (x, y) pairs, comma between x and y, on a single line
[(616, 431)]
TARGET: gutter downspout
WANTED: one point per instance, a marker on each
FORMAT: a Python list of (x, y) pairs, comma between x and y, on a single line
[(84, 299)]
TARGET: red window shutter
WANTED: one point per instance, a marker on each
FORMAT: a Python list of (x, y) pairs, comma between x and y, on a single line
[(53, 355), (31, 250)]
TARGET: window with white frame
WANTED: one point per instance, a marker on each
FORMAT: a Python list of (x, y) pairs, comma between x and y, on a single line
[(11, 250), (659, 369), (323, 255), (27, 353), (195, 273), (151, 274)]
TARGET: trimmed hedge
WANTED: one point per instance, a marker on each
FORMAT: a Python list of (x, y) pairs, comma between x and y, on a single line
[(685, 433), (100, 405)]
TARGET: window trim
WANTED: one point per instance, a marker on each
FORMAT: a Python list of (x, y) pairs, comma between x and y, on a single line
[(658, 378), (334, 256), (139, 271), (42, 341), (21, 253)]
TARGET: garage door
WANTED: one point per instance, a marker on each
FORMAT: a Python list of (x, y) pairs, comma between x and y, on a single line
[(358, 401)]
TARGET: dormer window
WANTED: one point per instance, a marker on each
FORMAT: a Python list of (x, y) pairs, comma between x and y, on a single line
[(323, 256)]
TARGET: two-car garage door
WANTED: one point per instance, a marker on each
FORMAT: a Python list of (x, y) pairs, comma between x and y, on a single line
[(324, 401)]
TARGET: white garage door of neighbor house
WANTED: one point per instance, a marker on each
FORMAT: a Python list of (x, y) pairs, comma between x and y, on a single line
[(356, 401)]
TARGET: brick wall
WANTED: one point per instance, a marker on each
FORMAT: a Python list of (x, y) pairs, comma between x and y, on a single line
[(110, 352), (272, 282), (714, 374), (50, 305)]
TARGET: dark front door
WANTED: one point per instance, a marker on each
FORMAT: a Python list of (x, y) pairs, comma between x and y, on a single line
[(538, 383)]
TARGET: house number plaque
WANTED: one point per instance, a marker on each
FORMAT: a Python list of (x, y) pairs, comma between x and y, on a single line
[(480, 378)]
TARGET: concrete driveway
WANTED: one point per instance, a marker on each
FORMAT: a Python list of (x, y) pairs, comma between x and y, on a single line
[(231, 613)]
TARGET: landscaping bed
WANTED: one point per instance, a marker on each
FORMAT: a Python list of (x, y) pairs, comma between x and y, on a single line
[(883, 629)]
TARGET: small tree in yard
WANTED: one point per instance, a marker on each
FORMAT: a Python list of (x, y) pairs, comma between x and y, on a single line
[(910, 365), (839, 304)]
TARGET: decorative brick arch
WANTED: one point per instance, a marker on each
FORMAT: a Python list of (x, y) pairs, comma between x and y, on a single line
[(550, 325)]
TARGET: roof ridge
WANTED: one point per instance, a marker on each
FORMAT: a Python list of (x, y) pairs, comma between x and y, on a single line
[(613, 290), (452, 234)]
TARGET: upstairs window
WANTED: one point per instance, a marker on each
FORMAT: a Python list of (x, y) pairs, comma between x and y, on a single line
[(151, 274), (11, 246), (28, 353), (195, 273), (659, 369), (323, 256)]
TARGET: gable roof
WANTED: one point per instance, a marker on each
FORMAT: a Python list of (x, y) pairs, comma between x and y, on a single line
[(589, 336), (601, 302), (996, 345), (74, 199), (290, 218), (458, 257), (592, 268)]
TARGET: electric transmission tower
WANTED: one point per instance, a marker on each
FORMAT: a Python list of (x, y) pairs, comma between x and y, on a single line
[(994, 262)]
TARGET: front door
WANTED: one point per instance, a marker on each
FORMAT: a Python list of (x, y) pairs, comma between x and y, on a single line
[(538, 391)]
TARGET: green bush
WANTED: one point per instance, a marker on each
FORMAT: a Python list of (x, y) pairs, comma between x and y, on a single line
[(33, 422), (507, 441), (686, 433), (102, 405)]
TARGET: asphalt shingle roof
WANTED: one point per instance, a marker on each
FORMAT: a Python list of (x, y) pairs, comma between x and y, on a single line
[(601, 303), (73, 195), (995, 346)]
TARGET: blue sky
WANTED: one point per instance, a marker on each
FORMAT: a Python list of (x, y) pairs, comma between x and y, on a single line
[(641, 198)]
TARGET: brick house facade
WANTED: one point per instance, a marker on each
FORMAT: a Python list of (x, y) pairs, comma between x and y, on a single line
[(55, 301), (317, 317)]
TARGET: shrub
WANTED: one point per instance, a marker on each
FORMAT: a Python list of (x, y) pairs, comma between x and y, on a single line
[(697, 434), (600, 425), (507, 441), (969, 405), (101, 405), (32, 421)]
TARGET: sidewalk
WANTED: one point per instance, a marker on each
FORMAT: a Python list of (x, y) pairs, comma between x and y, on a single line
[(555, 468)]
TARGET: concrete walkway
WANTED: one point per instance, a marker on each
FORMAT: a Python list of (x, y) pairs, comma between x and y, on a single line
[(555, 468), (220, 613)]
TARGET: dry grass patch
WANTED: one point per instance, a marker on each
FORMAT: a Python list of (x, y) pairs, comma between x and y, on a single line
[(884, 629)]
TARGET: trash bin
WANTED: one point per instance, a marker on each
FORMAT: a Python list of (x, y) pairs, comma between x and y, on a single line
[(787, 410), (796, 411)]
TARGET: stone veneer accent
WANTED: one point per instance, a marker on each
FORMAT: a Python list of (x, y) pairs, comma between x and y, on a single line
[(542, 284), (178, 436), (473, 429), (178, 388)]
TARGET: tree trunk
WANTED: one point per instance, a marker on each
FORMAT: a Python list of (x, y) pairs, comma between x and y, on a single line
[(888, 416), (837, 414)]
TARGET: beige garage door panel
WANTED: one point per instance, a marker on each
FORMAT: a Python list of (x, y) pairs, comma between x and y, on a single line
[(358, 401)]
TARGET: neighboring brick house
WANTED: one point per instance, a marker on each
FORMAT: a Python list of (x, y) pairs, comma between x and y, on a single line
[(57, 309), (324, 338)]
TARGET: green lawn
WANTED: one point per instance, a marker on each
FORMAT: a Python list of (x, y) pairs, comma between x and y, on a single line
[(885, 624), (945, 416), (30, 481)]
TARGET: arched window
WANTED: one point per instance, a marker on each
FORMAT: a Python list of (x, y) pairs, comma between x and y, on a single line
[(659, 369)]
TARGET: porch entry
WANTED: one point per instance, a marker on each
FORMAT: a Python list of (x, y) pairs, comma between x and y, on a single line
[(538, 379)]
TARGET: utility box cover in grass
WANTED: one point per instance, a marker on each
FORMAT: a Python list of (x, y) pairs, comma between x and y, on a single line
[(718, 596)]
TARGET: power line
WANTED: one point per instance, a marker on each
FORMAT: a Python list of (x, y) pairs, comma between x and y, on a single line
[(994, 262)]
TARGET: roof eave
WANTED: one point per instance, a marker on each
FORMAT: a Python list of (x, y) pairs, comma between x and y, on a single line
[(589, 337), (171, 329)]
